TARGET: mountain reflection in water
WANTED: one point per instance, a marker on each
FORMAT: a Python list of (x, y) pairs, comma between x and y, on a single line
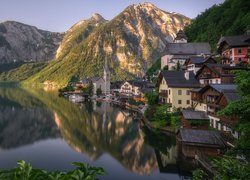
[(93, 130)]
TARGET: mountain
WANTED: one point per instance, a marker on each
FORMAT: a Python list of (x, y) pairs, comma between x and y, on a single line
[(78, 33), (20, 42), (230, 18), (132, 41)]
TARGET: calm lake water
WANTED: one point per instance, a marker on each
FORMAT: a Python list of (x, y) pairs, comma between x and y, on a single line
[(51, 133)]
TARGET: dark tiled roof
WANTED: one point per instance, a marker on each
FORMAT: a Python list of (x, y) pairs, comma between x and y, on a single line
[(177, 79), (201, 137), (232, 96), (215, 67), (241, 40), (224, 88), (191, 114), (197, 59), (146, 90), (116, 85), (188, 48)]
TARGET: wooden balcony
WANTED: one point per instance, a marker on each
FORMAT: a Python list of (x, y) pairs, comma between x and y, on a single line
[(163, 94)]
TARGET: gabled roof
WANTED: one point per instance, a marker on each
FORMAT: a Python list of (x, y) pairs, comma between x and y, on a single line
[(224, 88), (188, 48), (199, 60), (234, 41), (140, 83), (201, 137), (116, 85), (177, 79), (230, 97), (214, 68), (194, 115)]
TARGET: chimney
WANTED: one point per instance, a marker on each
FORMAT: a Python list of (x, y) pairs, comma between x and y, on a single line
[(186, 75)]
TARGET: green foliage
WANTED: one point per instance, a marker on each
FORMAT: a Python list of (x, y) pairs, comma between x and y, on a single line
[(152, 97), (175, 121), (26, 172), (178, 66), (156, 66), (231, 168), (241, 110), (90, 88), (19, 72), (230, 18), (134, 102), (162, 114), (66, 89), (158, 115), (165, 67), (198, 174), (98, 92)]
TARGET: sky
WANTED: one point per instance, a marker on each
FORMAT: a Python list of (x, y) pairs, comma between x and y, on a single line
[(60, 15)]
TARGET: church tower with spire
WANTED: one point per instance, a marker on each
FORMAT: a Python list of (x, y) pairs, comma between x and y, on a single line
[(180, 37), (106, 78)]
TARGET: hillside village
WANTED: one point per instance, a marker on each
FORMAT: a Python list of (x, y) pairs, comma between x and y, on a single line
[(192, 83)]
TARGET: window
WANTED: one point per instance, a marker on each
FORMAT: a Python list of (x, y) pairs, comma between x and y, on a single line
[(239, 51), (179, 101), (179, 92), (169, 91), (239, 59), (188, 92), (188, 101), (216, 81)]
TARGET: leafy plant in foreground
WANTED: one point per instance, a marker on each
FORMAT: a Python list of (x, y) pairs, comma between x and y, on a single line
[(25, 171)]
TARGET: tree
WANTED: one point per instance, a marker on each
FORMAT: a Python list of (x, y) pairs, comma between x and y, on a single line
[(152, 98), (229, 167), (162, 114), (90, 88), (241, 110), (178, 66), (165, 67), (98, 92)]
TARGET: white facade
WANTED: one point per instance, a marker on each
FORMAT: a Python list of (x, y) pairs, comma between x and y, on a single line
[(171, 61), (191, 67), (126, 89), (210, 81), (129, 90)]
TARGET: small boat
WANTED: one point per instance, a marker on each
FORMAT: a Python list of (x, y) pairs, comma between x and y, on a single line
[(76, 98)]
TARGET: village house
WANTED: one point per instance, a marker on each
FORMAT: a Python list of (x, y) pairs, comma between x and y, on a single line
[(213, 98), (175, 87), (180, 50), (194, 142), (115, 87), (194, 63), (234, 49), (136, 89), (192, 119), (215, 74)]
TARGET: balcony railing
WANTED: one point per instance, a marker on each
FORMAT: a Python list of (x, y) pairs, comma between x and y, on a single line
[(163, 94)]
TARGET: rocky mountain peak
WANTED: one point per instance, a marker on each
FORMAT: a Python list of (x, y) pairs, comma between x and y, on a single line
[(97, 17)]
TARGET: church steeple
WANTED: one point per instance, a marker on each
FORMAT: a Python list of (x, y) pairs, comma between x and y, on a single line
[(106, 77), (180, 37)]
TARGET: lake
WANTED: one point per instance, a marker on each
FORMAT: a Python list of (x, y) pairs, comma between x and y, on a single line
[(50, 132)]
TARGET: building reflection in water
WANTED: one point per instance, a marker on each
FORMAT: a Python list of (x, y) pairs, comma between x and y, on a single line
[(93, 129)]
